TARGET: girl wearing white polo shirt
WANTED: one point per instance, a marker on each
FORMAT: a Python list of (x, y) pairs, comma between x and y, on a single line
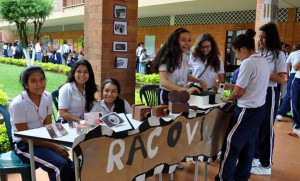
[(296, 96), (250, 92), (111, 102), (206, 62), (33, 109), (77, 96), (172, 64), (270, 48)]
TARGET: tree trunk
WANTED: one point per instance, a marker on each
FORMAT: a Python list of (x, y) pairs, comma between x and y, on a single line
[(27, 57)]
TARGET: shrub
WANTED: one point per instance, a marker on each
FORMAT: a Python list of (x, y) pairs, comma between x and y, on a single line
[(47, 66), (4, 141), (142, 79), (3, 97)]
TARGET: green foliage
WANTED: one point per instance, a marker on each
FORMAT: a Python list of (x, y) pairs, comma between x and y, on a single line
[(4, 141), (3, 97), (46, 66), (142, 79), (24, 13)]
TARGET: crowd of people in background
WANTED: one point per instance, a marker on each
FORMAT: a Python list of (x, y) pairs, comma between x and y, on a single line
[(64, 55)]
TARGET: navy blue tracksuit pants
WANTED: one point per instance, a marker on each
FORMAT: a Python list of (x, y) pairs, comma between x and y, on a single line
[(265, 138), (286, 102), (296, 103), (239, 144), (57, 167)]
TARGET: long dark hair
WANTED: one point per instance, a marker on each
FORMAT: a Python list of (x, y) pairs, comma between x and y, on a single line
[(119, 102), (272, 39), (24, 76), (213, 57), (170, 53), (90, 86)]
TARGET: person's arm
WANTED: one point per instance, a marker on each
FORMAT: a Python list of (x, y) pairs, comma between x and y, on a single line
[(200, 81), (67, 116), (279, 78), (64, 101), (236, 93)]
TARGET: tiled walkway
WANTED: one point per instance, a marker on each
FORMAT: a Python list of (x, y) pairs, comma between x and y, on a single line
[(286, 162)]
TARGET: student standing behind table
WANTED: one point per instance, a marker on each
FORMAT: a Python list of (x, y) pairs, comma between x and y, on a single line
[(269, 44), (111, 101), (171, 62), (64, 50), (296, 97), (77, 95), (250, 92), (138, 52), (33, 109), (206, 62), (285, 106), (143, 61)]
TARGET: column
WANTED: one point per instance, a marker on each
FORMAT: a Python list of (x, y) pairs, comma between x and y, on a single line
[(266, 11), (110, 31)]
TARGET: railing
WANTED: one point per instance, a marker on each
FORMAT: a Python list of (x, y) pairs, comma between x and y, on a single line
[(68, 3)]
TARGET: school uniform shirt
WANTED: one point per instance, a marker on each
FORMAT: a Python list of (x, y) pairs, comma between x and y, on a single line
[(253, 78), (276, 66), (179, 76), (209, 75), (101, 107), (291, 58), (23, 110), (71, 99), (296, 60)]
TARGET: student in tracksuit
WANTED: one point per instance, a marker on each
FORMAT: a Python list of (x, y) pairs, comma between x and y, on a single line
[(296, 97), (33, 109), (250, 92), (286, 102), (270, 48)]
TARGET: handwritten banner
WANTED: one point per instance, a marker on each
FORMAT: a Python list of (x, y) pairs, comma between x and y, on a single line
[(149, 150)]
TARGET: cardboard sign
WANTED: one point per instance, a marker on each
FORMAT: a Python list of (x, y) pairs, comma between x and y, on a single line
[(155, 147)]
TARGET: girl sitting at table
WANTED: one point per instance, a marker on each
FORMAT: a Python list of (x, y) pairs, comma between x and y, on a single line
[(111, 102), (76, 97), (33, 109), (172, 64)]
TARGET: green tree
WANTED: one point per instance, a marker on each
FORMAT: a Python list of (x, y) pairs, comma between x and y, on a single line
[(25, 14)]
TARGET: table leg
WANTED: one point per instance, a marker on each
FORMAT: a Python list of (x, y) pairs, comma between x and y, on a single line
[(205, 171), (76, 163), (196, 170), (32, 163)]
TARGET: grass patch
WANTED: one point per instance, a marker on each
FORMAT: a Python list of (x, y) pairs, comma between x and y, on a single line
[(9, 79)]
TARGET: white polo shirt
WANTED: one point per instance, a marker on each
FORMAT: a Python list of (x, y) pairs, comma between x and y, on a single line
[(101, 107), (253, 78), (23, 110), (71, 99), (209, 75), (179, 76), (276, 66), (296, 60), (291, 58)]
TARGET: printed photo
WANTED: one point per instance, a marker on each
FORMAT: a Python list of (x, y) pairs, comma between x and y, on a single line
[(120, 11), (120, 27)]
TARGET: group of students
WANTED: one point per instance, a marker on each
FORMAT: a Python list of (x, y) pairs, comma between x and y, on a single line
[(33, 109), (249, 141), (13, 50)]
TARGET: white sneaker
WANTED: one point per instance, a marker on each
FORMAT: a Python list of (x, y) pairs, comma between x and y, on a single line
[(180, 165), (255, 162), (260, 170), (279, 117), (296, 131)]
